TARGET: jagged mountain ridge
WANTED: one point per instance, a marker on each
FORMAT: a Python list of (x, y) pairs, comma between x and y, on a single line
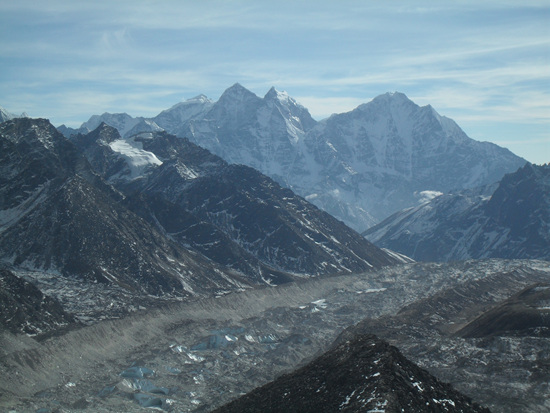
[(66, 231), (359, 166), (510, 219), (231, 213), (58, 216), (361, 374), (263, 133), (385, 152), (102, 219)]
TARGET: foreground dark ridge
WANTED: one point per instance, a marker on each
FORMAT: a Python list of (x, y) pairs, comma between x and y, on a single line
[(361, 374)]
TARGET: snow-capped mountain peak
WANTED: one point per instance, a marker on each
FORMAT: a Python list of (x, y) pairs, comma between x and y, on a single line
[(5, 115), (184, 106), (199, 98), (237, 94), (121, 121), (360, 166), (275, 94), (391, 100)]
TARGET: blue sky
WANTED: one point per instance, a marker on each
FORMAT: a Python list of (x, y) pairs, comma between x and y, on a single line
[(484, 64)]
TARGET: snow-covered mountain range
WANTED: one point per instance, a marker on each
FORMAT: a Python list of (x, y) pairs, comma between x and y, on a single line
[(510, 219), (359, 166)]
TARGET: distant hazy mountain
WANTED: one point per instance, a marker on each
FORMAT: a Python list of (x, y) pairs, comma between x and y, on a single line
[(510, 219), (359, 166), (124, 123), (364, 374), (174, 119)]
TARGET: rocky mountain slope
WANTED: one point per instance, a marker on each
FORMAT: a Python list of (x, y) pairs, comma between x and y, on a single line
[(107, 225), (59, 218), (361, 374), (525, 314), (510, 219), (25, 309), (231, 213), (359, 166)]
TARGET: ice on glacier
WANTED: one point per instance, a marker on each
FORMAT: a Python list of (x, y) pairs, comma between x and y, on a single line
[(137, 372), (137, 159)]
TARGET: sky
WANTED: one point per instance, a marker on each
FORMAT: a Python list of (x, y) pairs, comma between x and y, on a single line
[(484, 64)]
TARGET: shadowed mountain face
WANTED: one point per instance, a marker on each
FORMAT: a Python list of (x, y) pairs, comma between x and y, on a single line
[(25, 309), (524, 314), (360, 166), (510, 219), (58, 216), (231, 213), (106, 224), (362, 374)]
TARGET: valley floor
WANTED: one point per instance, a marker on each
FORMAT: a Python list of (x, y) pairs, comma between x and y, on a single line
[(197, 356)]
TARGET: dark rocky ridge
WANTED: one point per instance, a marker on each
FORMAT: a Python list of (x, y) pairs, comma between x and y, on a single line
[(65, 219), (524, 314), (439, 334), (231, 213), (25, 309), (362, 374)]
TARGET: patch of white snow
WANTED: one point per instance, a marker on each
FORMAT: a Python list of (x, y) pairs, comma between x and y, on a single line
[(137, 159)]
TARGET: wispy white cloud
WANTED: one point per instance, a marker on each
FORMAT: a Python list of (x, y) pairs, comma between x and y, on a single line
[(475, 62)]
